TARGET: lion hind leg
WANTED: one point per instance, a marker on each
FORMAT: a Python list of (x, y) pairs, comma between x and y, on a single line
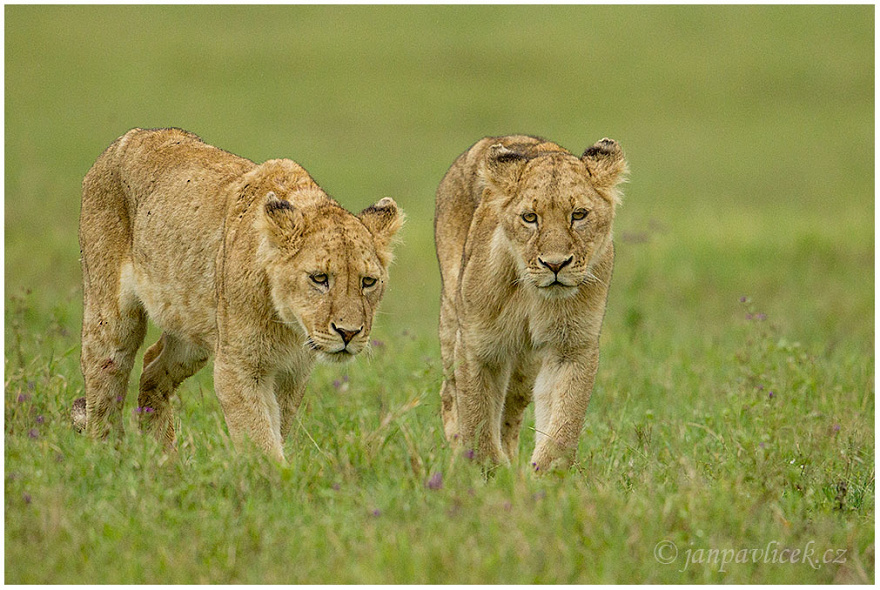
[(167, 363), (109, 346), (449, 410), (114, 321), (448, 394)]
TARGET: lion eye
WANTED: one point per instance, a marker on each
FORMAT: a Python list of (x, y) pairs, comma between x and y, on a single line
[(319, 279), (529, 217), (579, 214), (368, 282)]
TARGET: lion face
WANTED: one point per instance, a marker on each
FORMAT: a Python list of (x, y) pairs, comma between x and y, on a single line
[(556, 212), (328, 269)]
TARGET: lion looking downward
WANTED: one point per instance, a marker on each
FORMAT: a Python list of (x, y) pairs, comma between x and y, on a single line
[(523, 235), (254, 264)]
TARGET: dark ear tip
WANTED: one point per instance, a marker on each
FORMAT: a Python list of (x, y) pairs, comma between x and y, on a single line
[(501, 153), (385, 207), (273, 204), (603, 147), (386, 203)]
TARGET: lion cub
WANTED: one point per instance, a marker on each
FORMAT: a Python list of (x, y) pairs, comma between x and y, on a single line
[(523, 236), (254, 264)]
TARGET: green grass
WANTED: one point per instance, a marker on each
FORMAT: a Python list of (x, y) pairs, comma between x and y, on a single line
[(749, 131)]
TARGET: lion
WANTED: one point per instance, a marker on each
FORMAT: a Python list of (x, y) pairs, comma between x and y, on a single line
[(523, 232), (254, 264)]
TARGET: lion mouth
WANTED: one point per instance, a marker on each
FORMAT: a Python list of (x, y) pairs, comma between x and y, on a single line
[(557, 290), (334, 354), (555, 284), (341, 353)]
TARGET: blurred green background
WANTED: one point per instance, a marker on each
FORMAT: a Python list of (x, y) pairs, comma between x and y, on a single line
[(750, 135), (749, 130)]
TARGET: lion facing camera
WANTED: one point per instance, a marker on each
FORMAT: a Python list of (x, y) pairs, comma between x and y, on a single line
[(523, 236), (254, 264)]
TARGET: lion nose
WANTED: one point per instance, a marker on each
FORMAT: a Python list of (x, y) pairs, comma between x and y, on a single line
[(347, 335), (556, 264)]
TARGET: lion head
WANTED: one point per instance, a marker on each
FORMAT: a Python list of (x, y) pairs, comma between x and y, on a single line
[(327, 269), (555, 209)]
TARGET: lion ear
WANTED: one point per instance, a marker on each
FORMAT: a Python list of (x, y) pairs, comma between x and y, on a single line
[(606, 164), (503, 165), (383, 219), (280, 222)]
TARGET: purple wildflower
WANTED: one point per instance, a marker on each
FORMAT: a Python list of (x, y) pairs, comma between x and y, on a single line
[(23, 397), (743, 299), (436, 482), (378, 343), (836, 428), (26, 497), (337, 487), (40, 419), (34, 433), (761, 444), (337, 383), (376, 512), (469, 453), (771, 394), (30, 385)]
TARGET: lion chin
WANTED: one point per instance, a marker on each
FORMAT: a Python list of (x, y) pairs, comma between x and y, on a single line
[(557, 290), (338, 357)]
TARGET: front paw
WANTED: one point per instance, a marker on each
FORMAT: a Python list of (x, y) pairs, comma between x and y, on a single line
[(551, 458)]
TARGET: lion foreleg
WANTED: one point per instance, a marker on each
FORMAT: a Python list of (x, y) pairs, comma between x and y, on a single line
[(481, 387), (247, 397), (290, 387), (519, 395), (562, 393)]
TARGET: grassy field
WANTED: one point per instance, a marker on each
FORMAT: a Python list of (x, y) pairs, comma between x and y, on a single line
[(731, 434)]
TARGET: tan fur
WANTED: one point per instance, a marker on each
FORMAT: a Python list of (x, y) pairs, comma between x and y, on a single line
[(508, 333), (224, 255)]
